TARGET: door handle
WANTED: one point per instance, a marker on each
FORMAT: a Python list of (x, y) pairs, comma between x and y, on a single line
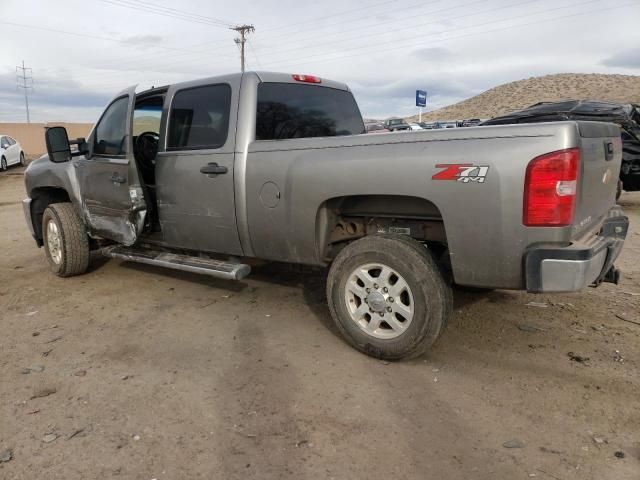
[(115, 178), (213, 169)]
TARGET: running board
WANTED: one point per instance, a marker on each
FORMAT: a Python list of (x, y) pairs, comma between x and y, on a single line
[(205, 266)]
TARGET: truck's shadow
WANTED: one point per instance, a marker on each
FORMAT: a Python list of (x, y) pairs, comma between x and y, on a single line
[(311, 281)]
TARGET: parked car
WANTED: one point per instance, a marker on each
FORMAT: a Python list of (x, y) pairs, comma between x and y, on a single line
[(415, 126), (11, 152), (626, 116), (376, 128), (396, 125), (279, 170), (471, 122)]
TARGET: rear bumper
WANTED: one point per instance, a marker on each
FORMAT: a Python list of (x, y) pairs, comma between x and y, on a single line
[(584, 263)]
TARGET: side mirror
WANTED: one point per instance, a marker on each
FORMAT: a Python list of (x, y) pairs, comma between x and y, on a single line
[(58, 146)]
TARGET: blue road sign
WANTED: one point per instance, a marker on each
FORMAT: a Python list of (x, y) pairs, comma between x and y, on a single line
[(421, 98)]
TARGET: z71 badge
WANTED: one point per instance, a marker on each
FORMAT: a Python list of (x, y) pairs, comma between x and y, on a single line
[(462, 172)]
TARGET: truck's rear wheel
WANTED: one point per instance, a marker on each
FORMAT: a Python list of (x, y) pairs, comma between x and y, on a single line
[(66, 243), (388, 297)]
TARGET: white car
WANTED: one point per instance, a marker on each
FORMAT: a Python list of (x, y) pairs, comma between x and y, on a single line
[(10, 152), (415, 126)]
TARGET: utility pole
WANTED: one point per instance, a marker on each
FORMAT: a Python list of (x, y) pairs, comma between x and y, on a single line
[(24, 81), (243, 30)]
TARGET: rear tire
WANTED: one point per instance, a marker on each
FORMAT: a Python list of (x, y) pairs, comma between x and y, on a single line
[(66, 243), (22, 158), (406, 306), (3, 164)]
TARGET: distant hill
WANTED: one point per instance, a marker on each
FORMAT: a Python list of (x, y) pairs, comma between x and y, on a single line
[(148, 123), (549, 88)]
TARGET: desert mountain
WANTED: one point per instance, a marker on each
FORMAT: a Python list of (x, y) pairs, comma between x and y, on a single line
[(549, 88)]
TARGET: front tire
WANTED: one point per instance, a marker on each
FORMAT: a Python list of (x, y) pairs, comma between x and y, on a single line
[(3, 164), (65, 240), (388, 297), (22, 158)]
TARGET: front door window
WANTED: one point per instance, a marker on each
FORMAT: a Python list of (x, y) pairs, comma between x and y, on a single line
[(111, 135)]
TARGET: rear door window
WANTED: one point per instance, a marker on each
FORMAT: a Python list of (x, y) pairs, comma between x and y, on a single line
[(289, 110), (199, 118)]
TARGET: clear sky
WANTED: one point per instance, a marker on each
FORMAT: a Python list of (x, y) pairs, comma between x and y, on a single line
[(83, 52)]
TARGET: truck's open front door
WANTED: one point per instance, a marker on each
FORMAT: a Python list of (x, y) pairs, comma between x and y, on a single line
[(113, 202)]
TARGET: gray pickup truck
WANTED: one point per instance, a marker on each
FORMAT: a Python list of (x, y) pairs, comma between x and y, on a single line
[(206, 176)]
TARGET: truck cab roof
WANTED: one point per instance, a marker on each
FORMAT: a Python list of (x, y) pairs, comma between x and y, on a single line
[(268, 77)]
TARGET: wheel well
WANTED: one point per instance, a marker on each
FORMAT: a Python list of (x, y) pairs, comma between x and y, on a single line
[(341, 220), (41, 198)]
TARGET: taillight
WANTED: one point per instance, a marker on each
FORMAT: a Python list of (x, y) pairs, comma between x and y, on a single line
[(550, 189), (306, 78)]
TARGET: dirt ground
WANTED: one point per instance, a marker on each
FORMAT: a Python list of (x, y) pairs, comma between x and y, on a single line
[(136, 372)]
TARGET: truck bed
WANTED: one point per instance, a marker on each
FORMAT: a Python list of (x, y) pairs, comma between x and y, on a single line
[(482, 219)]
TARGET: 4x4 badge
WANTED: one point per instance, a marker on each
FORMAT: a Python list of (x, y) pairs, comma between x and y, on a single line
[(462, 172)]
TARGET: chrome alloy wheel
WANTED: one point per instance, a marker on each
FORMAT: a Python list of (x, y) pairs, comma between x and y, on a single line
[(54, 242), (379, 301)]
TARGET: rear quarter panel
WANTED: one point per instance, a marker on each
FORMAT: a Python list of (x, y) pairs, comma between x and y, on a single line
[(483, 221)]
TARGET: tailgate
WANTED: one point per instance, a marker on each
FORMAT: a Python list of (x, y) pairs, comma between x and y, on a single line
[(601, 156)]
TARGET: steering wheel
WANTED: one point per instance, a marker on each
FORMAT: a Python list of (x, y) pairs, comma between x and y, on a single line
[(147, 149)]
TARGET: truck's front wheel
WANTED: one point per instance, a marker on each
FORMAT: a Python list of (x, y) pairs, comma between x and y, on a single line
[(388, 297), (65, 240)]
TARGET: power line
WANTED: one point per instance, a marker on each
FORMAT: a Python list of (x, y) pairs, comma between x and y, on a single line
[(405, 27), (135, 59), (169, 12), (123, 41), (421, 43), (350, 20), (182, 12), (25, 82), (153, 64), (243, 30), (254, 53), (336, 14), (85, 35), (423, 37), (434, 22)]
